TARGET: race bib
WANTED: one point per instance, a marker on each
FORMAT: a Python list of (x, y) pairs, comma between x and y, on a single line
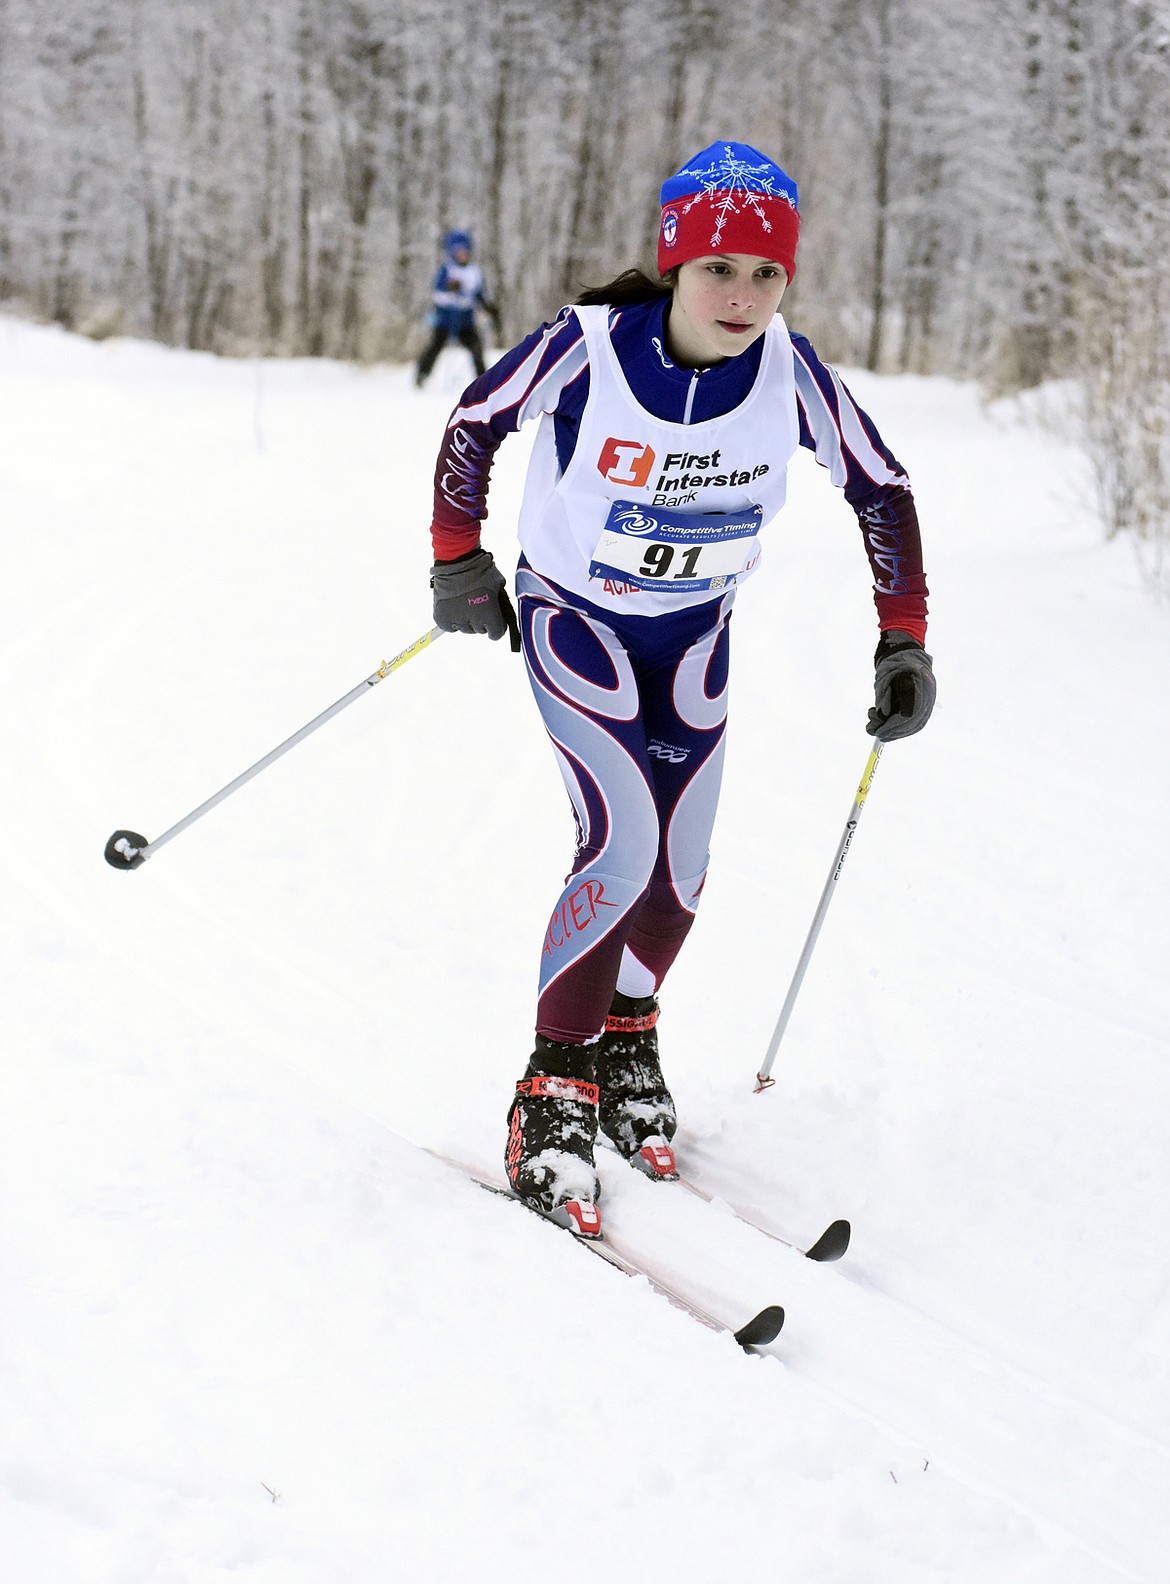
[(651, 547)]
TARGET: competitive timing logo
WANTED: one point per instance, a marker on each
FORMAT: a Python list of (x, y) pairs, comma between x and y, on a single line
[(632, 521), (626, 462)]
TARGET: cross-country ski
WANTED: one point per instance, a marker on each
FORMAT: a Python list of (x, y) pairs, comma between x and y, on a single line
[(756, 1331)]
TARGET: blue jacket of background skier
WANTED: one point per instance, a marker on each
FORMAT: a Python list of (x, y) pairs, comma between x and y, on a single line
[(458, 288)]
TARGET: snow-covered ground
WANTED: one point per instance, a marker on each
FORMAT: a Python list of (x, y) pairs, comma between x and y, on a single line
[(250, 1331)]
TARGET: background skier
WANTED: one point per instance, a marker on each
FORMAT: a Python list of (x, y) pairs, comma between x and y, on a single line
[(458, 291)]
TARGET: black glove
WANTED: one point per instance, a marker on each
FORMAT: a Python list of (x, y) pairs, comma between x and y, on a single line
[(903, 687), (471, 596)]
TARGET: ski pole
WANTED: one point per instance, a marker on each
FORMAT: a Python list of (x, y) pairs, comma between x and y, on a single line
[(126, 849), (762, 1079)]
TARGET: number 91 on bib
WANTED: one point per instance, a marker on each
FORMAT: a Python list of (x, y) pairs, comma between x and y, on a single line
[(686, 552)]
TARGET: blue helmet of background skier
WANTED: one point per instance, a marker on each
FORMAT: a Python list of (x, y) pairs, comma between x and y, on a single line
[(458, 246)]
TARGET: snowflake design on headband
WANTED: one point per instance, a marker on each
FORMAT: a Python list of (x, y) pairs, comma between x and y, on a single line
[(739, 185)]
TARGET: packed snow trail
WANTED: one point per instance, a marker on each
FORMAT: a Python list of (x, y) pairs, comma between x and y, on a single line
[(227, 1275)]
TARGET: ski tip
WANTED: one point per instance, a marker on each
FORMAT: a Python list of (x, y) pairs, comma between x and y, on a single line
[(656, 1159), (762, 1328), (578, 1216), (831, 1244)]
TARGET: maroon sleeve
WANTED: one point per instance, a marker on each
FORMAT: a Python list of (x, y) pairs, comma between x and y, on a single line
[(845, 440), (889, 524), (491, 408), (462, 472)]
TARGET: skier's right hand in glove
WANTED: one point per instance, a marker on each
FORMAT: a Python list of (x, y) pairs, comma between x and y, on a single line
[(903, 687), (471, 596)]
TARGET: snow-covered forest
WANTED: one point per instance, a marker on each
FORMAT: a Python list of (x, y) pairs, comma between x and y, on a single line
[(984, 187), (275, 175)]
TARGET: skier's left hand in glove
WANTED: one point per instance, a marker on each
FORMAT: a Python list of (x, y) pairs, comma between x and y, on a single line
[(471, 596), (903, 687)]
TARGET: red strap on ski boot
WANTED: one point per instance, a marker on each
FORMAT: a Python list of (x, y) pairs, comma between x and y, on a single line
[(559, 1088), (632, 1025)]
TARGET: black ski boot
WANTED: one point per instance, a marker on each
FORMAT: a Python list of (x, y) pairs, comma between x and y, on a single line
[(552, 1125), (636, 1111)]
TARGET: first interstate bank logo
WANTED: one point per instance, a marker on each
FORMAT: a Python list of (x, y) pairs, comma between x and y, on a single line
[(684, 473), (626, 462)]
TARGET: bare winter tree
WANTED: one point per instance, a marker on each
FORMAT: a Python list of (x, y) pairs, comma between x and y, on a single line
[(983, 187), (1121, 309)]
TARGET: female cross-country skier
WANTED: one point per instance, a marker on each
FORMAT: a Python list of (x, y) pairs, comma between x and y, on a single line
[(668, 412)]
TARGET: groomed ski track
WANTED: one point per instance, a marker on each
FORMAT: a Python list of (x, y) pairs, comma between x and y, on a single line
[(230, 1048)]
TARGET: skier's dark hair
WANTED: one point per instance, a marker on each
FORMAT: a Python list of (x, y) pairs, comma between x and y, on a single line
[(631, 286)]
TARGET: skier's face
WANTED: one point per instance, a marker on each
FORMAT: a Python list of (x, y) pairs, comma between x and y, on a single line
[(722, 303)]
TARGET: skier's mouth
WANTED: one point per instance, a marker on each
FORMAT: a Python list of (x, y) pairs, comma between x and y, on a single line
[(733, 326)]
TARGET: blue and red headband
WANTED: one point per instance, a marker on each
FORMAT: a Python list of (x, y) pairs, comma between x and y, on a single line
[(729, 198)]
